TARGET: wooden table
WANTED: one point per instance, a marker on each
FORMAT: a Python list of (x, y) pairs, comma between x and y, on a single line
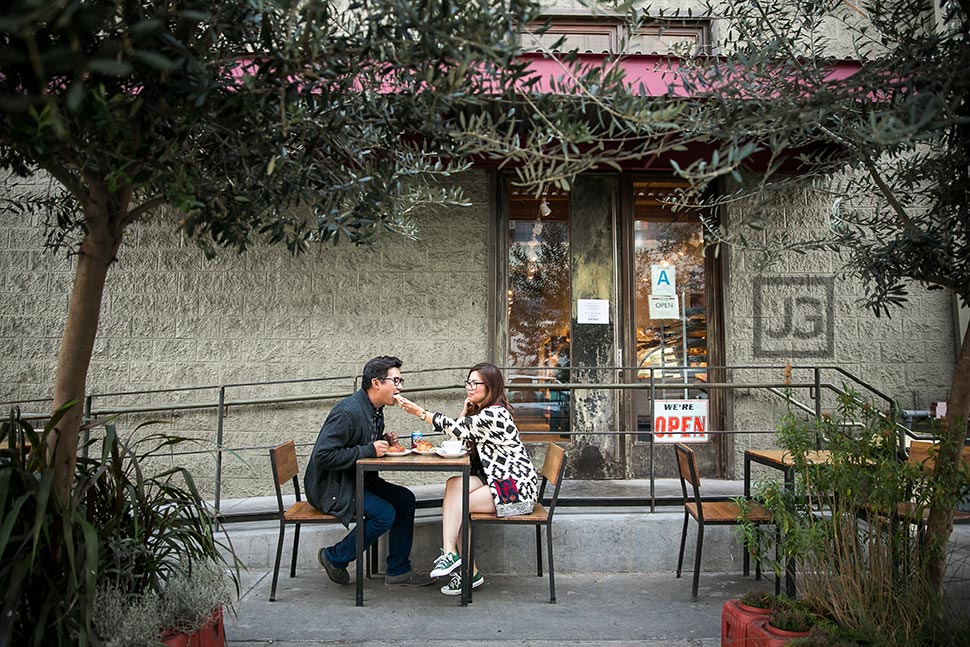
[(415, 463), (778, 459)]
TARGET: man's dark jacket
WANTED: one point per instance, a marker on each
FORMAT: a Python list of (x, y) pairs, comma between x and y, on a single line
[(346, 435)]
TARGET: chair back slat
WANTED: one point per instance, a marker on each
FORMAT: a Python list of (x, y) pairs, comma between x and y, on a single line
[(687, 467), (284, 462), (552, 466)]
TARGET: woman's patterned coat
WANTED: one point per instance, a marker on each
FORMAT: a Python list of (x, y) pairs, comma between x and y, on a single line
[(511, 476)]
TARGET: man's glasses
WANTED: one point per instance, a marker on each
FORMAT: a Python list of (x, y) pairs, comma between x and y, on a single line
[(398, 381), (471, 384)]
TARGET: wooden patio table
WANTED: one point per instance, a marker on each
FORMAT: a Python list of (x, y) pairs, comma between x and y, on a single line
[(414, 462)]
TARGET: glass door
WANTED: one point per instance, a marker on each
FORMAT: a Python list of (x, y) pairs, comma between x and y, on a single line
[(670, 298)]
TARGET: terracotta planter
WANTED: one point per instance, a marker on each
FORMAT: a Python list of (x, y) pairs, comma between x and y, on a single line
[(776, 637), (741, 623), (213, 634)]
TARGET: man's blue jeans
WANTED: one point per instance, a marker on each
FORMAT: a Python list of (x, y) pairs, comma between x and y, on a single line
[(387, 508)]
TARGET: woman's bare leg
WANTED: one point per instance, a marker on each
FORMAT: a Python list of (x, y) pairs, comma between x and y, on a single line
[(479, 500)]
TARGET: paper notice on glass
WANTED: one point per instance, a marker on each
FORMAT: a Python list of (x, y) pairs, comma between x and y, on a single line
[(664, 307), (593, 311), (663, 279)]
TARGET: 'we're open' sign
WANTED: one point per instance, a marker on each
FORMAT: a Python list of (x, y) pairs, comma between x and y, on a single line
[(680, 421)]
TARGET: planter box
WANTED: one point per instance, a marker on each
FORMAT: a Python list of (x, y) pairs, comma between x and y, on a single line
[(741, 625), (212, 634), (775, 637)]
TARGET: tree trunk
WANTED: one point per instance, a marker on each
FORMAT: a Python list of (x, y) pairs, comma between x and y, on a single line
[(95, 255), (939, 525)]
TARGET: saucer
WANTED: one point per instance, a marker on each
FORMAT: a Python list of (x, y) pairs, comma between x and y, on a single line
[(444, 454)]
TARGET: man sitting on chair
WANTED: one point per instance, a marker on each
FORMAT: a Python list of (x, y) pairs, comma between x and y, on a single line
[(355, 429)]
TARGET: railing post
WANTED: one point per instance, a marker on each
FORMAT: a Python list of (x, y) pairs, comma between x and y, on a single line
[(220, 418), (86, 418), (818, 404), (653, 480)]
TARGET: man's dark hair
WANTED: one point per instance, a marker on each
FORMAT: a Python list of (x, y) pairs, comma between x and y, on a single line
[(378, 367)]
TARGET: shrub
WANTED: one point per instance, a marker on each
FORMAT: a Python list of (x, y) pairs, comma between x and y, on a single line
[(759, 599), (858, 565), (123, 534)]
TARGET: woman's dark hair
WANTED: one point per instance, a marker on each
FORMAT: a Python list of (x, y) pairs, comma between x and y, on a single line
[(494, 386), (378, 367)]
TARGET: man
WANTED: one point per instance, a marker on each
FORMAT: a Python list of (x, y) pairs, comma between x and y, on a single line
[(355, 429)]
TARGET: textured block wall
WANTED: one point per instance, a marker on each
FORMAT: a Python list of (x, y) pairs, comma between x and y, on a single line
[(804, 309), (172, 319)]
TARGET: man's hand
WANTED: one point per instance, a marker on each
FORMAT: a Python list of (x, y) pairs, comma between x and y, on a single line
[(391, 437), (380, 446)]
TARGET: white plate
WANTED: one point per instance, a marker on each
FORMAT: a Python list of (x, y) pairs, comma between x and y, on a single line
[(404, 453), (444, 454), (420, 453)]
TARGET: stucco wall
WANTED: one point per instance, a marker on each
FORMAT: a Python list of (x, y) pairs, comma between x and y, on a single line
[(171, 319)]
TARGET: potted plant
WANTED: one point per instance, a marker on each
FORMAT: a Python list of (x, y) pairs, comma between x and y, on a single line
[(187, 613), (828, 634), (864, 570), (790, 619), (126, 531), (740, 617)]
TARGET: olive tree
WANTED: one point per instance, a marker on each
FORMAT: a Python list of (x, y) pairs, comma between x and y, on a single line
[(888, 144), (281, 122)]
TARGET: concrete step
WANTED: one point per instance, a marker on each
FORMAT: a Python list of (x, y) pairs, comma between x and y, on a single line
[(614, 540)]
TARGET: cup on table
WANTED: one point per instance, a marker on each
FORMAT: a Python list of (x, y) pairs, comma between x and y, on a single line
[(451, 446)]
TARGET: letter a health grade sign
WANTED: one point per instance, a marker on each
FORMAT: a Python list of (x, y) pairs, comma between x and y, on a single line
[(680, 421)]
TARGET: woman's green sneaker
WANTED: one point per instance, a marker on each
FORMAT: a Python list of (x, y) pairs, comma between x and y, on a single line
[(453, 587), (446, 563)]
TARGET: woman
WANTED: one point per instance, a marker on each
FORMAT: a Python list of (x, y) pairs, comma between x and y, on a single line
[(505, 482)]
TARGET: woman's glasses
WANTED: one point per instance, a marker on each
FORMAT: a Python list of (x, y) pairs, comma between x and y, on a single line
[(472, 384)]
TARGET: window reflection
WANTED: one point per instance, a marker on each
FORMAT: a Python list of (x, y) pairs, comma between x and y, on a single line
[(539, 310)]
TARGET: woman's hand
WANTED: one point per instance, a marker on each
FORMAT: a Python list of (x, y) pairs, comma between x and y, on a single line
[(408, 406), (467, 406)]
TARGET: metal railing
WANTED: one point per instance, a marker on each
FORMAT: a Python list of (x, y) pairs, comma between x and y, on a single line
[(783, 390)]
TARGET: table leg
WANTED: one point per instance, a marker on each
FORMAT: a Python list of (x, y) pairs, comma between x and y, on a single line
[(360, 535), (747, 495), (466, 566)]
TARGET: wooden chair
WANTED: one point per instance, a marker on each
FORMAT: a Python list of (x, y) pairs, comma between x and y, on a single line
[(552, 472), (715, 513), (916, 513), (285, 468)]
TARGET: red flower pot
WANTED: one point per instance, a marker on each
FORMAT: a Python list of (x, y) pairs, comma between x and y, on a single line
[(213, 634), (740, 624), (778, 637)]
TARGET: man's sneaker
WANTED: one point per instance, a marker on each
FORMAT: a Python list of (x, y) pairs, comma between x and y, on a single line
[(446, 563), (335, 573), (411, 578), (453, 587)]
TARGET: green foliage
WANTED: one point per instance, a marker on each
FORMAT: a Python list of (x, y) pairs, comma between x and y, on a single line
[(828, 634), (888, 147), (792, 615), (759, 599), (280, 121), (859, 564), (122, 529)]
